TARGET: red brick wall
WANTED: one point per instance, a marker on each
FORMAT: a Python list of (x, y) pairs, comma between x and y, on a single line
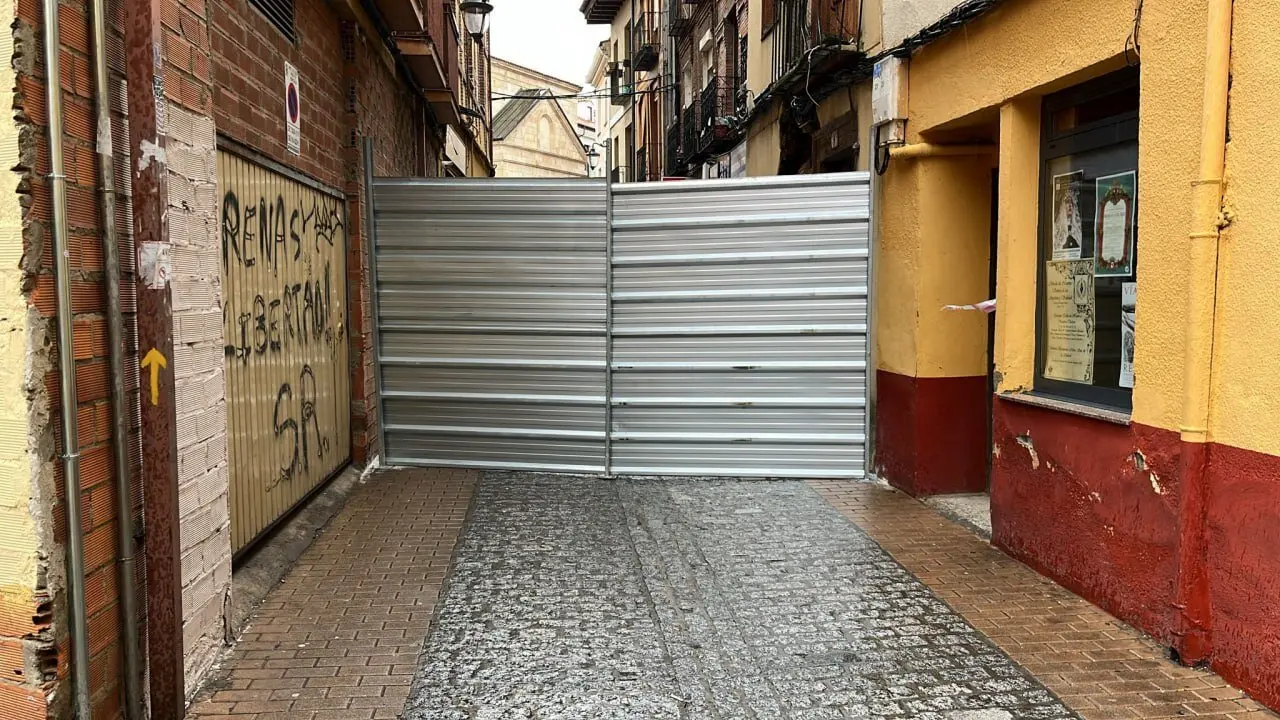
[(349, 89), (249, 54), (224, 60), (92, 379)]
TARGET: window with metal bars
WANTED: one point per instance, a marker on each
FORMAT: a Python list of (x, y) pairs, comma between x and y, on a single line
[(280, 14)]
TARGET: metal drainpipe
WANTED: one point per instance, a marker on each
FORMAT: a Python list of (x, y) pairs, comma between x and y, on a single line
[(66, 368), (130, 635), (1194, 633)]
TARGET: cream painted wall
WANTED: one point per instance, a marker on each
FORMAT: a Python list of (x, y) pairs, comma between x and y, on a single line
[(543, 145), (508, 78), (902, 18)]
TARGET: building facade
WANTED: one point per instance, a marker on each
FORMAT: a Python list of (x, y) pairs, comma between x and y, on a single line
[(542, 125), (636, 61), (208, 161), (808, 85), (707, 98), (1078, 164)]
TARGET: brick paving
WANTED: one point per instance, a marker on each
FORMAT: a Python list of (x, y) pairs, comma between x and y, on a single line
[(1100, 667), (339, 639), (577, 599), (573, 598)]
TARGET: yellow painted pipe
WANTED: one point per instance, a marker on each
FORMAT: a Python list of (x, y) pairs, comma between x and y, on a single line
[(1194, 641), (921, 150)]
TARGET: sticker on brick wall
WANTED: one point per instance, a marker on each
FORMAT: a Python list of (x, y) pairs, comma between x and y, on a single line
[(292, 110), (154, 264)]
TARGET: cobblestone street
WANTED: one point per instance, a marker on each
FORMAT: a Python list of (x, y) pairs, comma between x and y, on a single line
[(576, 598)]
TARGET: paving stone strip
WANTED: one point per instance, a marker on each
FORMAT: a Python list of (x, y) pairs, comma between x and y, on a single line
[(576, 598)]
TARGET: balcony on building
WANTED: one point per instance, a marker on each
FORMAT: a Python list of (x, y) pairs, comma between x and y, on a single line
[(674, 164), (679, 17), (600, 12), (646, 42), (621, 85), (688, 132), (426, 34), (811, 39), (721, 108), (642, 164)]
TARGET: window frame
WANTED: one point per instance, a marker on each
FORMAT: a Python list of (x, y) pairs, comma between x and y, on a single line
[(1114, 130)]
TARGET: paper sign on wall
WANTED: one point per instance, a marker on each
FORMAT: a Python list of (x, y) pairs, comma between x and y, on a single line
[(292, 110), (1114, 224), (1128, 326), (1068, 231), (1069, 320)]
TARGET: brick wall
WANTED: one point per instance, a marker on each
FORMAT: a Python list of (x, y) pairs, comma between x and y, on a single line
[(350, 88), (385, 110), (39, 404), (195, 294), (345, 95)]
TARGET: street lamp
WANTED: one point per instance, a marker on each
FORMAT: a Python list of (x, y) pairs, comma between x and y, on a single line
[(475, 15)]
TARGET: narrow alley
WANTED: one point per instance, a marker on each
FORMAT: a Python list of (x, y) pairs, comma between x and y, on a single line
[(653, 359), (575, 598)]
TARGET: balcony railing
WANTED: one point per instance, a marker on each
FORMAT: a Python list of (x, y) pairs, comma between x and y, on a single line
[(803, 24), (646, 41), (688, 131), (793, 36), (720, 103), (679, 17), (675, 164)]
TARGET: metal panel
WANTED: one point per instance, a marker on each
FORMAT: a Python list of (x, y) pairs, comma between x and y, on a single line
[(740, 325), (734, 338), (288, 385), (491, 322)]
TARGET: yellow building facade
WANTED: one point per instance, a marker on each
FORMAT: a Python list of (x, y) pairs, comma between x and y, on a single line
[(1140, 470)]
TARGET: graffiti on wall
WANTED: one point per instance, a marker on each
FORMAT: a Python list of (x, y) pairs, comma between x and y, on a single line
[(284, 294)]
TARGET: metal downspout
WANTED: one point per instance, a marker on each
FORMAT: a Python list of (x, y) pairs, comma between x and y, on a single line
[(1194, 643), (66, 368), (608, 312), (130, 635), (870, 359)]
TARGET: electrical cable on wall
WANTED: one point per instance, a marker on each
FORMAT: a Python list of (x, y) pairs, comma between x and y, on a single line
[(599, 94), (880, 152), (1133, 42)]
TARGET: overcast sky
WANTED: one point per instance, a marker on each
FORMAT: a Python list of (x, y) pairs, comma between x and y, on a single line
[(549, 36)]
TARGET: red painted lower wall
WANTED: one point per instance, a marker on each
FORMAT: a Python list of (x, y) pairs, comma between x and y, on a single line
[(931, 433), (1092, 505), (1244, 569)]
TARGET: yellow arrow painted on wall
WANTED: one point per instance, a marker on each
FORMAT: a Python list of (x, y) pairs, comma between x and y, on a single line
[(156, 361)]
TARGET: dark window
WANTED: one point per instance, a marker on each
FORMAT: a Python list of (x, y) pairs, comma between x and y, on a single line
[(280, 13), (1088, 264), (768, 17)]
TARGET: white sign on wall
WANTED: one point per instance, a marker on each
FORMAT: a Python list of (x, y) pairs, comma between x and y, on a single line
[(455, 149), (292, 110)]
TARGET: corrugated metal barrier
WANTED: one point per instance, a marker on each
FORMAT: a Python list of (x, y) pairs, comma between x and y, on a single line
[(735, 332), (284, 289), (740, 311), (491, 322)]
